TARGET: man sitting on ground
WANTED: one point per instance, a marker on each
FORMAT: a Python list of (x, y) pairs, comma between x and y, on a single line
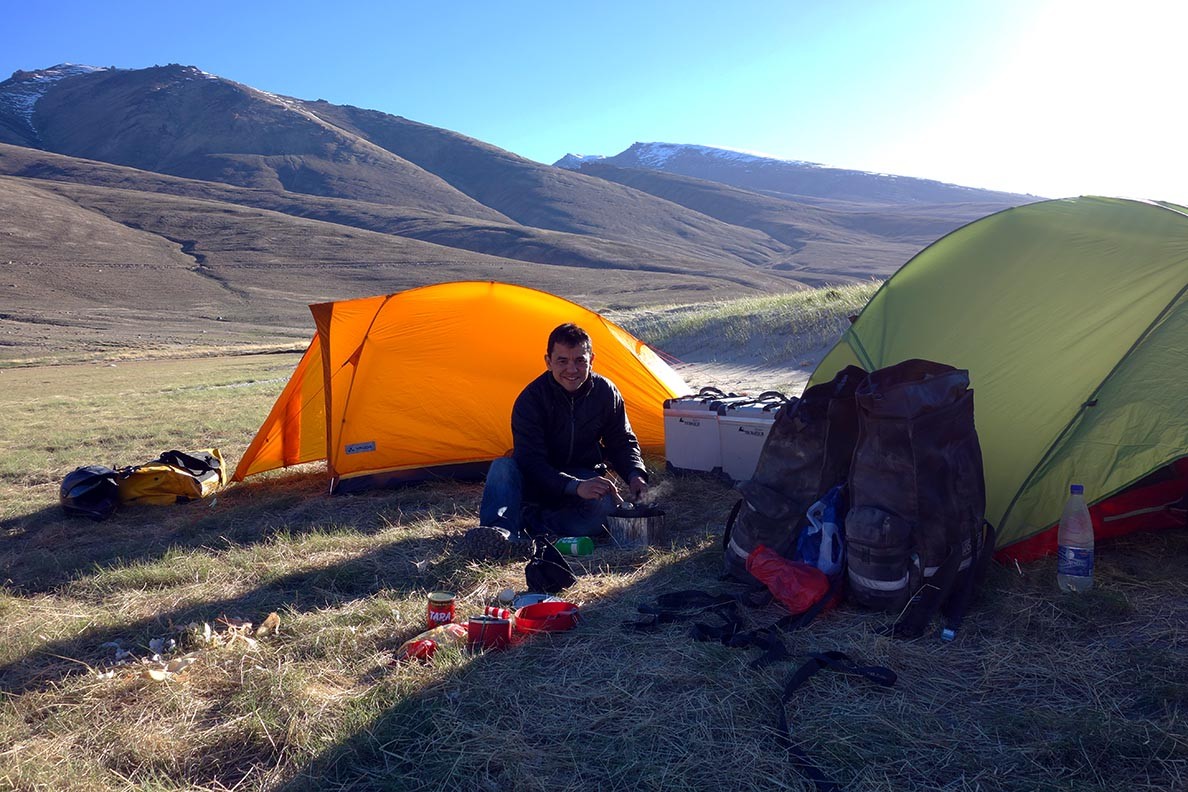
[(567, 425)]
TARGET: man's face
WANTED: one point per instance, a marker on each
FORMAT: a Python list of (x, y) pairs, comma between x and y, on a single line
[(570, 366)]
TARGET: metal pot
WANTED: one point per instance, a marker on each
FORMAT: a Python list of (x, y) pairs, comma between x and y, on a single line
[(636, 525)]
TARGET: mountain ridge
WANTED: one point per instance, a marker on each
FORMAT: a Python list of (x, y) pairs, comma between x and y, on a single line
[(789, 177), (249, 205)]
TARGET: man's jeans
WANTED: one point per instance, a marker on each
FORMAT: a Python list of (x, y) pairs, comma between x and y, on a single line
[(503, 506)]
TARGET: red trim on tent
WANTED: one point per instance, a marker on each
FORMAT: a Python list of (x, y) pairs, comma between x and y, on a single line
[(1152, 503)]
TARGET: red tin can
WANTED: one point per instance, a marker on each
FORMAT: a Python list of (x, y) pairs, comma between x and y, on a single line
[(488, 633), (441, 608)]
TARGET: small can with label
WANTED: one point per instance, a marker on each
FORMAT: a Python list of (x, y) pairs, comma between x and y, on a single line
[(441, 608)]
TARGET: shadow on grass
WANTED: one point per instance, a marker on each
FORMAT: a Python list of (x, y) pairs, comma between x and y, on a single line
[(45, 549), (602, 708), (47, 556), (596, 707), (386, 568)]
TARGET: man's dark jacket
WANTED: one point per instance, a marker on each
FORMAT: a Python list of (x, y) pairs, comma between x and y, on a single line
[(556, 432)]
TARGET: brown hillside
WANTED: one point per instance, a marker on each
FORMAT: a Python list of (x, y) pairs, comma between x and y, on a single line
[(96, 268), (176, 120), (553, 198), (829, 238), (505, 239)]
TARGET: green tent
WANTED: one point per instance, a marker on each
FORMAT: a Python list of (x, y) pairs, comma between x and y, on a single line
[(1072, 320)]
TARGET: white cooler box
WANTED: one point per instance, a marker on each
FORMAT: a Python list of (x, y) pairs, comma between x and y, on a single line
[(691, 439), (742, 431)]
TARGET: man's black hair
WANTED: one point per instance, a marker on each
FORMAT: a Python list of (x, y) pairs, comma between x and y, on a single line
[(570, 335)]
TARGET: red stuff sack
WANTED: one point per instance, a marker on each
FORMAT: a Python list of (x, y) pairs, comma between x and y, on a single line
[(797, 586)]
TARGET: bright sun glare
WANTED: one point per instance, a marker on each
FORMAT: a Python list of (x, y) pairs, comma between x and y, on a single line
[(1086, 101)]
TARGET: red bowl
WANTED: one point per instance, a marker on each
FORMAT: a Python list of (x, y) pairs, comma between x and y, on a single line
[(546, 617)]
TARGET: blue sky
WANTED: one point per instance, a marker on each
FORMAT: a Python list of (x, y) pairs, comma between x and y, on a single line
[(1050, 97)]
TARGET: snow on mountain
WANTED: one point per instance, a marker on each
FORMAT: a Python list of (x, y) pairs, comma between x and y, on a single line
[(574, 161), (201, 74), (753, 171), (20, 92), (656, 155)]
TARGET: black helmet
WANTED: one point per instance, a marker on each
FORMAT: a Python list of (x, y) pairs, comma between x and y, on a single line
[(90, 491)]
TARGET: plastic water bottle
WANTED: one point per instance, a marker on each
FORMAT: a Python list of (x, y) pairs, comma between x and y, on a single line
[(1074, 559), (575, 545)]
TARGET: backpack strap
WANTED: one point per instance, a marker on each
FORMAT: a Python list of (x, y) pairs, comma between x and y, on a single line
[(982, 541), (689, 598), (730, 524), (730, 628), (837, 661), (730, 631), (769, 638), (948, 591), (927, 599), (198, 465), (677, 606)]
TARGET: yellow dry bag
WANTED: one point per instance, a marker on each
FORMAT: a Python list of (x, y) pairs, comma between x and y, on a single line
[(174, 477)]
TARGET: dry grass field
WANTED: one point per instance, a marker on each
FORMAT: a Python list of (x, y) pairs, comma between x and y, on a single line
[(1040, 691)]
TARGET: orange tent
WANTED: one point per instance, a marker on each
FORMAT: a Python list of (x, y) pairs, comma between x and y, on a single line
[(421, 383)]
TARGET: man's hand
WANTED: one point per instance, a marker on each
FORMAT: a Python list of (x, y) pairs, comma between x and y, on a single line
[(639, 488), (597, 487)]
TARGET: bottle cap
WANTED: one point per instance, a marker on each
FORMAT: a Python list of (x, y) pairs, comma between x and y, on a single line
[(1077, 489)]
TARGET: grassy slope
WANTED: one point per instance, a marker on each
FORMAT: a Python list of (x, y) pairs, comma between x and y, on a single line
[(775, 330), (1040, 691)]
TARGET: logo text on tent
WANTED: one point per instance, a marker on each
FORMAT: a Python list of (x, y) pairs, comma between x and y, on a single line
[(361, 448)]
